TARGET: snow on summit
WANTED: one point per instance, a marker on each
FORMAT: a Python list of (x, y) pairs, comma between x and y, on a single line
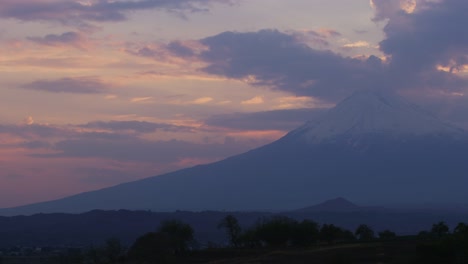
[(371, 112)]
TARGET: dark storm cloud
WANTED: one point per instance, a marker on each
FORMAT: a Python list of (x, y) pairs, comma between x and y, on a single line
[(81, 85), (67, 11), (136, 126), (283, 62), (284, 120)]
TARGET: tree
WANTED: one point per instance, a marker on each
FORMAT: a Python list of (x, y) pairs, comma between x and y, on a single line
[(331, 233), (179, 233), (440, 229), (364, 233), (249, 238), (171, 239), (113, 250), (277, 231), (153, 247), (461, 230), (305, 233), (387, 234), (233, 229)]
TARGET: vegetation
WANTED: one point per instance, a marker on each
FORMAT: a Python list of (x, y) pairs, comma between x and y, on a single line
[(282, 239), (233, 229), (364, 233), (172, 239)]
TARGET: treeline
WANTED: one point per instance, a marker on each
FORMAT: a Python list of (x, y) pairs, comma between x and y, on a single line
[(439, 245), (173, 241), (283, 231)]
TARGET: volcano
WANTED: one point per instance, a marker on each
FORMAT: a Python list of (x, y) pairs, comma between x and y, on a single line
[(373, 148)]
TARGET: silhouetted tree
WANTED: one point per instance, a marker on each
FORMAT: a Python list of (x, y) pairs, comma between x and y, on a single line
[(277, 231), (113, 250), (233, 229), (172, 238), (179, 233), (305, 233), (364, 232), (461, 230), (249, 238), (387, 234), (440, 229), (330, 233), (151, 248)]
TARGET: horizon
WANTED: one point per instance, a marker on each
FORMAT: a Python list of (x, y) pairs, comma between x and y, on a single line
[(96, 94)]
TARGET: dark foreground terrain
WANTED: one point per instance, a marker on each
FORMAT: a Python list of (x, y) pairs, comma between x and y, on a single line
[(399, 251), (269, 239)]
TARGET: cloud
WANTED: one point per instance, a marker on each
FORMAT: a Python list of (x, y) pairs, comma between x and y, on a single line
[(425, 48), (284, 120), (174, 51), (281, 61), (136, 126), (34, 131), (418, 44), (77, 12), (180, 49), (253, 101), (73, 39), (135, 149), (140, 99), (357, 44), (390, 8), (202, 100), (78, 85), (28, 120)]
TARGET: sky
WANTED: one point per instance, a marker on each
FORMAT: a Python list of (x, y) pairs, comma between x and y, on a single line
[(94, 93)]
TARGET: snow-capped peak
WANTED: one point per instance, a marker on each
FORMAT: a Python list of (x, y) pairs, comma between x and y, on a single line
[(371, 112)]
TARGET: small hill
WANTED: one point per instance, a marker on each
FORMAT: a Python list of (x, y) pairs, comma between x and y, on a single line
[(334, 205)]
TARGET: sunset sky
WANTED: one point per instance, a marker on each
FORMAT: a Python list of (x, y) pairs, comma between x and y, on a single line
[(98, 92)]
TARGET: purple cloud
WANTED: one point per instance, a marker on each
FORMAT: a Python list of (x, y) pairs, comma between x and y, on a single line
[(80, 85), (421, 41), (141, 150), (74, 39), (136, 126), (68, 11), (283, 62)]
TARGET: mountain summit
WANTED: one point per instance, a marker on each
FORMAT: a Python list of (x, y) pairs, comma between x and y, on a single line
[(370, 148), (374, 113)]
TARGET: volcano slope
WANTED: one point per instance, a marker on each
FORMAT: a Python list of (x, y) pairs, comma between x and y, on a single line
[(371, 148)]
